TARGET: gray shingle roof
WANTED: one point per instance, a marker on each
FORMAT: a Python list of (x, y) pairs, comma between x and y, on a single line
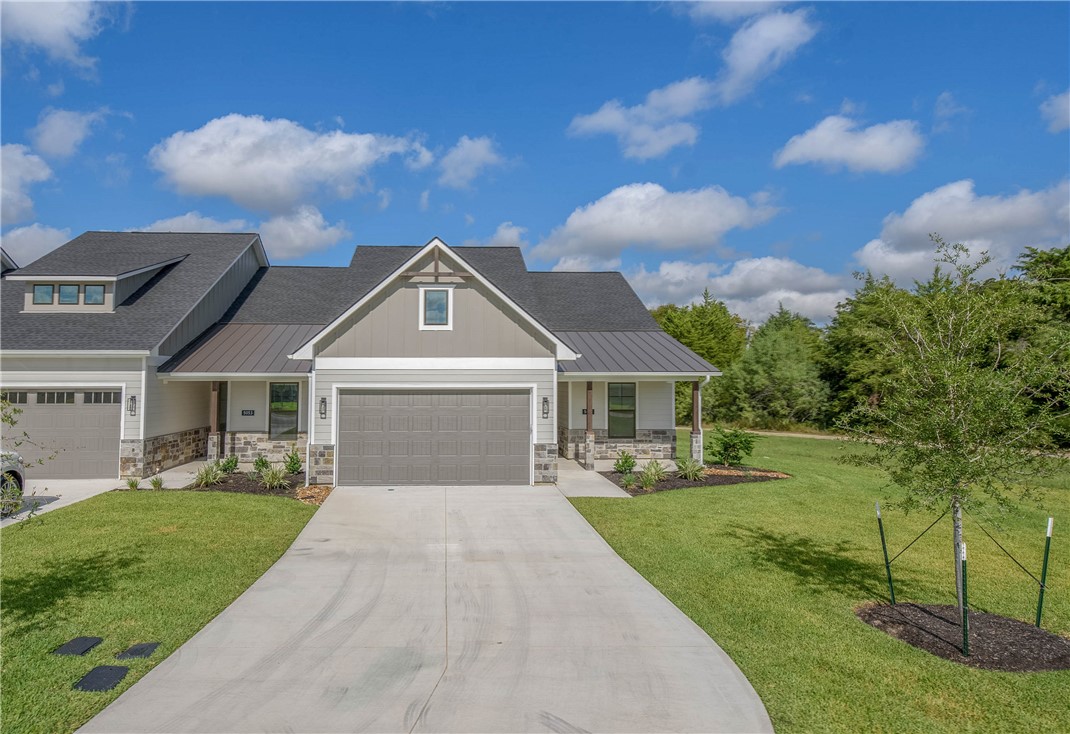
[(631, 352), (145, 318)]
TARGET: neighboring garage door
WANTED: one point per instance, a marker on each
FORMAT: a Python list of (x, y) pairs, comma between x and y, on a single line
[(434, 437), (74, 431)]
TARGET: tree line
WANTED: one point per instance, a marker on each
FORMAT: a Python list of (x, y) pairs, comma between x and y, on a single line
[(790, 373)]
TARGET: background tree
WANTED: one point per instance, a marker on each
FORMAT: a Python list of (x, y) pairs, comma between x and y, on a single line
[(970, 410), (777, 382), (709, 330)]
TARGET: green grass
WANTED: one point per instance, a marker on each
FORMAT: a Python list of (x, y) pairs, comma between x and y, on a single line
[(773, 572), (129, 567)]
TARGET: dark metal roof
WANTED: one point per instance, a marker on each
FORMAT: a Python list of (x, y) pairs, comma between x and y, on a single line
[(631, 352), (143, 320), (244, 348)]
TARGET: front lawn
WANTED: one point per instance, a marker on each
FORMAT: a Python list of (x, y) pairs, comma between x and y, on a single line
[(129, 567), (773, 572)]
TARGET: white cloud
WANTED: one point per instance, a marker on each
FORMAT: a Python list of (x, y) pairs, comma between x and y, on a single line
[(19, 169), (55, 89), (57, 28), (1056, 111), (752, 287), (468, 159), (196, 222), (469, 220), (646, 215), (946, 110), (724, 12), (425, 200), (294, 235), (1003, 225), (506, 235), (837, 142), (273, 165), (384, 198), (761, 47), (26, 244), (653, 128), (58, 133)]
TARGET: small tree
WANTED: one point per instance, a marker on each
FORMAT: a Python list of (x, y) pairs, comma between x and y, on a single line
[(966, 420)]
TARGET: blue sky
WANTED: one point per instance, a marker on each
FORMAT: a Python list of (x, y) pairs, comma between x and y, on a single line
[(762, 150)]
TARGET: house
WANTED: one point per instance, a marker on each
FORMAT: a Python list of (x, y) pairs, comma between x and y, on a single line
[(130, 353)]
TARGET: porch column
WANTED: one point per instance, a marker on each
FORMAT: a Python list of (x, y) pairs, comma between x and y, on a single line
[(588, 436), (696, 420), (214, 439)]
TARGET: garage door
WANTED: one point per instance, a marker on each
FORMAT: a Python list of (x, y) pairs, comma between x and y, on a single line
[(440, 437), (75, 432)]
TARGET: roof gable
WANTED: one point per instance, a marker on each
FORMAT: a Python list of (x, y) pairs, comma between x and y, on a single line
[(562, 350)]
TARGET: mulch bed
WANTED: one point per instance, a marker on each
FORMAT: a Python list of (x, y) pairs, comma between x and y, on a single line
[(996, 643), (714, 476), (245, 484)]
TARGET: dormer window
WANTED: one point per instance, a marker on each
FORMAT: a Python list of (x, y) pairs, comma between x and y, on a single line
[(436, 308), (68, 295), (42, 295), (94, 295)]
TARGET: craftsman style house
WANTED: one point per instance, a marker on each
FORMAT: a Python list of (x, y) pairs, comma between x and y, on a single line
[(130, 353)]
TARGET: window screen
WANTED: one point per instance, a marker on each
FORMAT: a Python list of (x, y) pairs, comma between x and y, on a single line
[(621, 409)]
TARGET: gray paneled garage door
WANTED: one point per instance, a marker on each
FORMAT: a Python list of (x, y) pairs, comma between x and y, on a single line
[(434, 437), (81, 432)]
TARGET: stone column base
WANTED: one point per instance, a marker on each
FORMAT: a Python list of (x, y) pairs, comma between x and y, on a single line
[(546, 463), (321, 463), (696, 446), (214, 445), (588, 452)]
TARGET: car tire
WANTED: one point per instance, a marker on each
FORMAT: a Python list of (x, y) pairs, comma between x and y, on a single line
[(10, 494)]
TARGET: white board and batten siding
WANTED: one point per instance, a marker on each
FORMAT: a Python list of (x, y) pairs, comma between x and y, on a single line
[(655, 403), (480, 379), (253, 395), (175, 406), (79, 374)]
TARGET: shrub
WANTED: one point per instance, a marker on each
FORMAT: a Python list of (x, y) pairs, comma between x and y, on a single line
[(625, 463), (627, 481), (647, 480), (689, 469), (293, 462), (208, 475), (10, 495), (133, 483), (657, 470), (156, 483), (730, 446), (260, 464), (229, 465), (273, 477)]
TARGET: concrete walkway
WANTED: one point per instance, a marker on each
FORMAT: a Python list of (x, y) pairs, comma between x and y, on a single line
[(430, 609), (52, 494), (575, 481)]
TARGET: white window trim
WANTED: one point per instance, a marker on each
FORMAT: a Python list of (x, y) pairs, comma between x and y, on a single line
[(448, 326)]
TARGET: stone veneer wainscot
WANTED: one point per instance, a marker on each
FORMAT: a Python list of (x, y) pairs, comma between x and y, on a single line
[(159, 453), (649, 443), (247, 445)]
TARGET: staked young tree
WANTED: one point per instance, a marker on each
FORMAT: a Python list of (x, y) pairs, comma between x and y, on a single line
[(975, 372)]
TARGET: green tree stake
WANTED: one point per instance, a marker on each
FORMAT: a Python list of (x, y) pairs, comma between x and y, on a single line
[(884, 547), (965, 608), (1044, 570)]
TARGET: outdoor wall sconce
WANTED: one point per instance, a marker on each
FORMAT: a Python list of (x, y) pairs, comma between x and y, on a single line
[(131, 405), (323, 407), (546, 407)]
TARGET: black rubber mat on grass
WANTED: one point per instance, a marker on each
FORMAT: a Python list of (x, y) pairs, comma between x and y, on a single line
[(78, 646), (101, 678), (140, 650)]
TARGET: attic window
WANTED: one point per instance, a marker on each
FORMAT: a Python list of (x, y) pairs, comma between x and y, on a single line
[(68, 295), (94, 295), (42, 295), (436, 308)]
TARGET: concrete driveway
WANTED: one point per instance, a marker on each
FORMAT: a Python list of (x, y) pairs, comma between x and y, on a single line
[(430, 609)]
